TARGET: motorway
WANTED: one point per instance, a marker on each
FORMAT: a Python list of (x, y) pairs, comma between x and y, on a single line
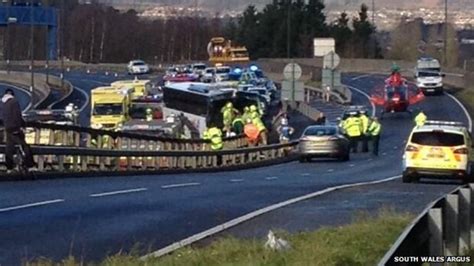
[(22, 95), (92, 217)]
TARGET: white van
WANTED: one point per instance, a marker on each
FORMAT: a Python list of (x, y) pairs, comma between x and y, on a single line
[(428, 75)]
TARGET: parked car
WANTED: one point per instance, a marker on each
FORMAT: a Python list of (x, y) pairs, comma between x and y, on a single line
[(135, 67), (323, 141)]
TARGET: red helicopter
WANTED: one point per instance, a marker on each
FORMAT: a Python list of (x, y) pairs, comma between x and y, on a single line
[(396, 95)]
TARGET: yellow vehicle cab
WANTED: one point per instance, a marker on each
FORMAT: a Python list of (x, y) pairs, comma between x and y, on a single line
[(139, 87), (109, 107), (438, 149)]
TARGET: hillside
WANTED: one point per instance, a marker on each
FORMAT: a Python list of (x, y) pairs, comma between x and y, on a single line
[(219, 5)]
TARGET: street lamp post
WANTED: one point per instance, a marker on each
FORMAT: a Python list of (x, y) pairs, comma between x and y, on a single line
[(32, 48), (288, 30), (61, 41), (445, 47)]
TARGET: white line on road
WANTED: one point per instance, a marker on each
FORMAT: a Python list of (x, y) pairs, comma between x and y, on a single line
[(111, 193), (365, 95), (36, 204), (87, 99), (271, 178), (469, 119), (305, 174), (351, 165), (361, 77), (219, 228), (25, 90), (180, 185), (330, 170), (236, 180)]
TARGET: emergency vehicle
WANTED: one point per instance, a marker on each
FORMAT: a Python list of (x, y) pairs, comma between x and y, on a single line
[(428, 75), (438, 149), (139, 87), (109, 107)]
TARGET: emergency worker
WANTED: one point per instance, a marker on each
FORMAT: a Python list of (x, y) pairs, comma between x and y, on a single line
[(365, 124), (149, 115), (228, 115), (215, 135), (251, 133), (354, 130), (373, 131), (257, 121), (254, 112), (285, 131), (420, 119), (238, 125), (246, 114)]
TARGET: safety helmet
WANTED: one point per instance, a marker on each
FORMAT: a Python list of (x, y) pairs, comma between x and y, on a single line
[(284, 121), (363, 112), (148, 110), (229, 105), (246, 109), (253, 108)]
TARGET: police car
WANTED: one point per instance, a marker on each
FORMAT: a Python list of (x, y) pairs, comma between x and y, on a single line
[(438, 149)]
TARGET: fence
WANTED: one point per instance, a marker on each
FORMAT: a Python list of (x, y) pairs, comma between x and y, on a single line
[(67, 160), (444, 228), (76, 136)]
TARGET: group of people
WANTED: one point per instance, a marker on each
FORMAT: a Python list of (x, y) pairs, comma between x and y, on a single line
[(359, 128), (235, 123)]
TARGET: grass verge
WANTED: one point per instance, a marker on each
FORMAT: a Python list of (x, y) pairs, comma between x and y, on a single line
[(466, 96), (363, 242), (314, 83)]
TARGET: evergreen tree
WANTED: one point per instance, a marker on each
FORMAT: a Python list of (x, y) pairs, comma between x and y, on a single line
[(341, 32), (363, 31)]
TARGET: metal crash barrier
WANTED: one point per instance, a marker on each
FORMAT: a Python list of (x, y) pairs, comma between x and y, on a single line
[(444, 231), (79, 159), (76, 136)]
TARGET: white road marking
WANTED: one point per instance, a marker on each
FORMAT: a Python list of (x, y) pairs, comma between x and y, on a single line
[(86, 95), (351, 165), (466, 113), (361, 76), (305, 174), (111, 193), (30, 104), (36, 204), (330, 170), (370, 159), (180, 185), (219, 228), (384, 153), (365, 95), (271, 178), (236, 180)]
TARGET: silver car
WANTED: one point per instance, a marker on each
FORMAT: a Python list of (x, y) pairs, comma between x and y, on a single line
[(323, 141)]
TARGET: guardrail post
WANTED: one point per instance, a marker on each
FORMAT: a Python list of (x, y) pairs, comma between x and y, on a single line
[(37, 135), (64, 135), (435, 226), (61, 163), (471, 211), (464, 220), (41, 163), (452, 229)]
